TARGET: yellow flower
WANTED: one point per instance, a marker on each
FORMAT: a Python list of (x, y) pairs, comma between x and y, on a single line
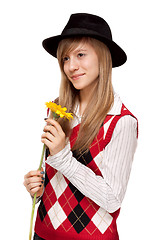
[(58, 110)]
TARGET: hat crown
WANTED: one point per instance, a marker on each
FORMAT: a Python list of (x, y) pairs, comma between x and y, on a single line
[(85, 22)]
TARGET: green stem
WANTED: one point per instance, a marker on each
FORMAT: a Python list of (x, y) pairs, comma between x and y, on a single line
[(34, 200), (42, 155), (32, 215)]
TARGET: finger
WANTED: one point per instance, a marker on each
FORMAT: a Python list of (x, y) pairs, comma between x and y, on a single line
[(47, 142), (35, 190), (54, 123), (58, 128), (33, 180), (51, 129), (48, 136), (34, 185), (31, 185), (34, 173)]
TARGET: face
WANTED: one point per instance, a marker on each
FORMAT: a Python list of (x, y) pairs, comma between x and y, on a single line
[(81, 67)]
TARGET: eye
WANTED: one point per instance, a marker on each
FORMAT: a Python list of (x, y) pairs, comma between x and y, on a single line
[(65, 59), (81, 54)]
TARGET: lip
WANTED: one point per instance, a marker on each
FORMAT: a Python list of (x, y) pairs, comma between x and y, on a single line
[(77, 76)]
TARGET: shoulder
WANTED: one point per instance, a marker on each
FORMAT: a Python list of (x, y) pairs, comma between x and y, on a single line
[(123, 118), (127, 122), (122, 129), (126, 130)]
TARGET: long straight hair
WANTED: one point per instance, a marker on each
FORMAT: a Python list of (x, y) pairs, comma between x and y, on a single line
[(101, 98)]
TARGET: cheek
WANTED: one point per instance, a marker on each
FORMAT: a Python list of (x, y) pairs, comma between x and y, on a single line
[(95, 71), (96, 68), (93, 65), (66, 72), (64, 69)]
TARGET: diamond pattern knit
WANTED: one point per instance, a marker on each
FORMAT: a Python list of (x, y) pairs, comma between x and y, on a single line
[(64, 212)]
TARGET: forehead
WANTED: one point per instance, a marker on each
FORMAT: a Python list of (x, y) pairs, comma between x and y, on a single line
[(76, 46), (81, 47)]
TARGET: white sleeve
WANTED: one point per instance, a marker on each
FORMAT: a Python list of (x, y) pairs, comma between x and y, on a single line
[(107, 191)]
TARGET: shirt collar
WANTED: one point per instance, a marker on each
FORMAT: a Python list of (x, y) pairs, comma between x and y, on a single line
[(116, 107)]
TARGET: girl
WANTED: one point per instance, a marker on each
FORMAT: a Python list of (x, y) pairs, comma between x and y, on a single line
[(88, 160)]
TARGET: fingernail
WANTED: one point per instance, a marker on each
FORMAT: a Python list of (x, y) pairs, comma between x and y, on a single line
[(42, 172), (45, 119), (43, 178), (41, 181), (40, 185)]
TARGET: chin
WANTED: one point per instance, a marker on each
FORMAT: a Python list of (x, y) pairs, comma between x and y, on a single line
[(79, 86)]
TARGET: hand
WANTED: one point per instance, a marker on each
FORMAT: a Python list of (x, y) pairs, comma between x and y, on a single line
[(54, 137), (34, 182)]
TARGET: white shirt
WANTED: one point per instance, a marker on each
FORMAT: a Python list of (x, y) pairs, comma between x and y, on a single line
[(114, 161)]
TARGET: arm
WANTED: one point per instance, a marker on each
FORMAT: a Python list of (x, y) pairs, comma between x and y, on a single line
[(107, 191)]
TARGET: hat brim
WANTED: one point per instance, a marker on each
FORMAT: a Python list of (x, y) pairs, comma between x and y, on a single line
[(119, 57)]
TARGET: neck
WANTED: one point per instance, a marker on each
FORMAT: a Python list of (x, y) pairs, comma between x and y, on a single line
[(84, 100), (85, 96)]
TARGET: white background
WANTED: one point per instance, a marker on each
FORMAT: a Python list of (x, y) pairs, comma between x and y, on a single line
[(29, 77)]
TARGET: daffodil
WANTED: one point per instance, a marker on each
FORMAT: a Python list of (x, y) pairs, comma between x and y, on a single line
[(57, 112)]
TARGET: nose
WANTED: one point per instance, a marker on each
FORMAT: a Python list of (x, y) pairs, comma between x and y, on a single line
[(73, 64)]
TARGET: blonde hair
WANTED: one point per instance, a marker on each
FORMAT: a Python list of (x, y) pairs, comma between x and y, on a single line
[(100, 101)]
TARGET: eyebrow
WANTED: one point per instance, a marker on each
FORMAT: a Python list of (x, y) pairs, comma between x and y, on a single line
[(79, 50)]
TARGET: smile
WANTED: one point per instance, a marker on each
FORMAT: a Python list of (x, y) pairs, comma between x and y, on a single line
[(77, 76)]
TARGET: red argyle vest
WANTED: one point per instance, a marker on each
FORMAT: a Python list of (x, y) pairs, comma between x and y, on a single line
[(64, 212)]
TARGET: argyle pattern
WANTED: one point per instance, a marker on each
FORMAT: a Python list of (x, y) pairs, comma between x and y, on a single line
[(63, 207)]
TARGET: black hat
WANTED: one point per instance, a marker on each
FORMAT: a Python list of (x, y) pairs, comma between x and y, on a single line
[(84, 24)]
